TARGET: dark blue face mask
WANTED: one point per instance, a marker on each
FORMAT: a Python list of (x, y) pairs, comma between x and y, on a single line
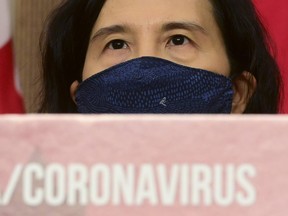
[(153, 85)]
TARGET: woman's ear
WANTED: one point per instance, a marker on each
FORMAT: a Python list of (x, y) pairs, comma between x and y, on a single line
[(244, 87), (73, 89)]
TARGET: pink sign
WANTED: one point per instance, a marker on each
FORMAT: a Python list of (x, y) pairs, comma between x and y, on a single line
[(111, 165)]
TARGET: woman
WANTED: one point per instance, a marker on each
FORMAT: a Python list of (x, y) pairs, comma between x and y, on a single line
[(158, 56)]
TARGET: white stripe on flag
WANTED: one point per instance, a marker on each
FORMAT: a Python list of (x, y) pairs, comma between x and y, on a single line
[(4, 22)]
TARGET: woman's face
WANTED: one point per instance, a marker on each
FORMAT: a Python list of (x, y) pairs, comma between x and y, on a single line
[(182, 31)]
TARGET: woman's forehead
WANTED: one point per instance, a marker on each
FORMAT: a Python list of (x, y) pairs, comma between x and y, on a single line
[(150, 13)]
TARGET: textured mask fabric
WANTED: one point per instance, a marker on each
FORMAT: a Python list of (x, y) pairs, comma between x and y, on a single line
[(153, 85)]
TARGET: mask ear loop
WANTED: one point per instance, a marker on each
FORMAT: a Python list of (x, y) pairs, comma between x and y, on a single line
[(236, 74), (233, 77), (80, 77), (236, 69)]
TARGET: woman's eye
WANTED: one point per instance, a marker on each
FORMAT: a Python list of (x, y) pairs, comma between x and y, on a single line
[(117, 44), (178, 40)]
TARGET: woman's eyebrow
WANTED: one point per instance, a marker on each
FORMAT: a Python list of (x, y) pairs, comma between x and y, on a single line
[(190, 26), (109, 30), (105, 31)]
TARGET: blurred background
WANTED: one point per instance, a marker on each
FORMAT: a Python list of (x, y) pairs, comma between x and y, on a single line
[(27, 19)]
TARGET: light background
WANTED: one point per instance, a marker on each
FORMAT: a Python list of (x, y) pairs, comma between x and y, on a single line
[(28, 18)]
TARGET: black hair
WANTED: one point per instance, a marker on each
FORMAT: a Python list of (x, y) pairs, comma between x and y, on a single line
[(63, 44), (65, 40), (250, 48)]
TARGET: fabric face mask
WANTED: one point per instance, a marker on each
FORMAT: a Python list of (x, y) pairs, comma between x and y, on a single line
[(153, 85)]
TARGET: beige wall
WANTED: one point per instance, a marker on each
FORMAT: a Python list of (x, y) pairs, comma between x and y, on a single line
[(28, 19)]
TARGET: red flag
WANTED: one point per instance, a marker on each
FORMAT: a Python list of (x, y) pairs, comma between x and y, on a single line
[(275, 18), (10, 98)]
